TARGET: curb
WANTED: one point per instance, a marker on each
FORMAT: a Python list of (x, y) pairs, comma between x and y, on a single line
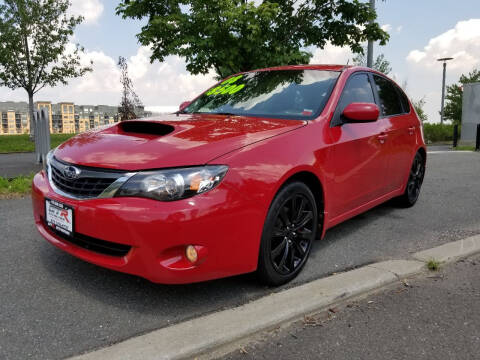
[(185, 339), (451, 251)]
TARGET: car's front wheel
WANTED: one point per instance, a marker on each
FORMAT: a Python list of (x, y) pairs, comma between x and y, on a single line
[(288, 234)]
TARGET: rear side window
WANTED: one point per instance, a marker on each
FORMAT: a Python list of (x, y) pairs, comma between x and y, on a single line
[(390, 102), (404, 100)]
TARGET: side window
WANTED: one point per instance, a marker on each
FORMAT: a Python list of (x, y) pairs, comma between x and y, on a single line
[(390, 102), (357, 89), (404, 100)]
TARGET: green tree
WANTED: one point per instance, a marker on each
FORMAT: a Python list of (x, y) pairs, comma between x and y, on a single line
[(418, 105), (34, 35), (380, 64), (453, 105), (231, 36)]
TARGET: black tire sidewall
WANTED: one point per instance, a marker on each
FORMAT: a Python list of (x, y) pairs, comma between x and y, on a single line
[(266, 270), (404, 200)]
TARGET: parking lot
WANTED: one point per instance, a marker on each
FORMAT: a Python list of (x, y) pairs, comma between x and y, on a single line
[(54, 305)]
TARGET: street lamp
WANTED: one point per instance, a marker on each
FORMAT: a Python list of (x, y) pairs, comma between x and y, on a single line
[(443, 84)]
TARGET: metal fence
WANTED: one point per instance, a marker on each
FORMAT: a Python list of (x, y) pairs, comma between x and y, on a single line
[(42, 135)]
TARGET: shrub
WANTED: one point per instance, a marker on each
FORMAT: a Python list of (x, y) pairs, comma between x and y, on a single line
[(438, 132)]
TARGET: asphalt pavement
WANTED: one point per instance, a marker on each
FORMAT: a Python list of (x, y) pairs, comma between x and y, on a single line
[(433, 317), (15, 164), (54, 305)]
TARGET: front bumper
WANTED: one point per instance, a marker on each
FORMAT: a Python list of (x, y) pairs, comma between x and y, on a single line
[(224, 226)]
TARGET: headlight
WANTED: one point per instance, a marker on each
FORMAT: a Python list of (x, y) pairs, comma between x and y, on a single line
[(174, 184)]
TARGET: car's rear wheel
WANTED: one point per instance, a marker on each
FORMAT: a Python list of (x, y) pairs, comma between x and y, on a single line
[(288, 234), (414, 184)]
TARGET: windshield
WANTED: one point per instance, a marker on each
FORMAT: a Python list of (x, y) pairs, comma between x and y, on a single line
[(290, 94)]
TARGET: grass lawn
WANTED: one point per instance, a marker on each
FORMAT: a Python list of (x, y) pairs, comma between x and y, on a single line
[(17, 186), (465, 147), (22, 143)]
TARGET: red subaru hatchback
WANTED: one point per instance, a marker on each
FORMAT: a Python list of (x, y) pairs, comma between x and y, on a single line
[(243, 178)]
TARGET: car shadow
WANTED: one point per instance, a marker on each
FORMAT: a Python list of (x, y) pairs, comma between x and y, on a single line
[(386, 210), (136, 294)]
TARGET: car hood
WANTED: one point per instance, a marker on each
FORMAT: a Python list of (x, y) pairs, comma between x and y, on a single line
[(170, 141)]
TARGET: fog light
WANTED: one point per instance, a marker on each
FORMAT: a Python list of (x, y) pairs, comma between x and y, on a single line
[(191, 253)]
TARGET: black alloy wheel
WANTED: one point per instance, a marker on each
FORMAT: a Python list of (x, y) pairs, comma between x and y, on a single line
[(415, 181), (288, 234)]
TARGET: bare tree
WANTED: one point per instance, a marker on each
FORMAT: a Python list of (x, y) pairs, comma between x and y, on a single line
[(130, 100)]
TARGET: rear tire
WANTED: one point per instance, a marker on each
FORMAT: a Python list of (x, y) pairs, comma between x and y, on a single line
[(414, 183), (288, 233)]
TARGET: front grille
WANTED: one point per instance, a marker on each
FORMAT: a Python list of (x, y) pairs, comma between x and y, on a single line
[(90, 183), (92, 244)]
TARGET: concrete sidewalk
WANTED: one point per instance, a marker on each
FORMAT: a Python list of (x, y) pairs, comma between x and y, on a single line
[(16, 164), (436, 316)]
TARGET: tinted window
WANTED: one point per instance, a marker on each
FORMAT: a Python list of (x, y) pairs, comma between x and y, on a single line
[(389, 98), (404, 100), (294, 94), (357, 89)]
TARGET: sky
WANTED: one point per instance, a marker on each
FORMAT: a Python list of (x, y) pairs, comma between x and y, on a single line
[(420, 32)]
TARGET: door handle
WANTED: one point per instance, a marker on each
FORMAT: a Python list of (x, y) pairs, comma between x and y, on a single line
[(382, 137), (411, 130)]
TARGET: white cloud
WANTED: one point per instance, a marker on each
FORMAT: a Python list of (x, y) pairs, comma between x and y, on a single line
[(386, 27), (461, 42), (331, 54), (399, 28), (425, 72), (161, 85), (416, 56), (91, 10)]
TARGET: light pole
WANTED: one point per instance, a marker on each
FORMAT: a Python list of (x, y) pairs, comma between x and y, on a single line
[(443, 84), (370, 42)]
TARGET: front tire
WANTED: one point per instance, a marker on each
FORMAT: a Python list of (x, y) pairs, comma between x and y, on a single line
[(414, 184), (288, 234)]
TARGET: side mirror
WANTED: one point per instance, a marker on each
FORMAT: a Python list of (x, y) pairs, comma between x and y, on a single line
[(183, 105), (361, 112)]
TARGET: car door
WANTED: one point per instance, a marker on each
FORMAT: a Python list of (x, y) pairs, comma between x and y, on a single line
[(400, 131), (358, 172)]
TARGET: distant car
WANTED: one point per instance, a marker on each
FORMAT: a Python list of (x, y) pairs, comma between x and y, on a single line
[(241, 179)]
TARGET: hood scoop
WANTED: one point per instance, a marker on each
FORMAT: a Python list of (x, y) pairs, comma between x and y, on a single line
[(145, 128)]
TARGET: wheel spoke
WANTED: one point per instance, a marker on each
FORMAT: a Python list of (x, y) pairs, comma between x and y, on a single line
[(277, 251), (299, 249), (284, 216), (292, 259), (278, 232), (284, 257), (304, 221), (300, 209), (305, 234)]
